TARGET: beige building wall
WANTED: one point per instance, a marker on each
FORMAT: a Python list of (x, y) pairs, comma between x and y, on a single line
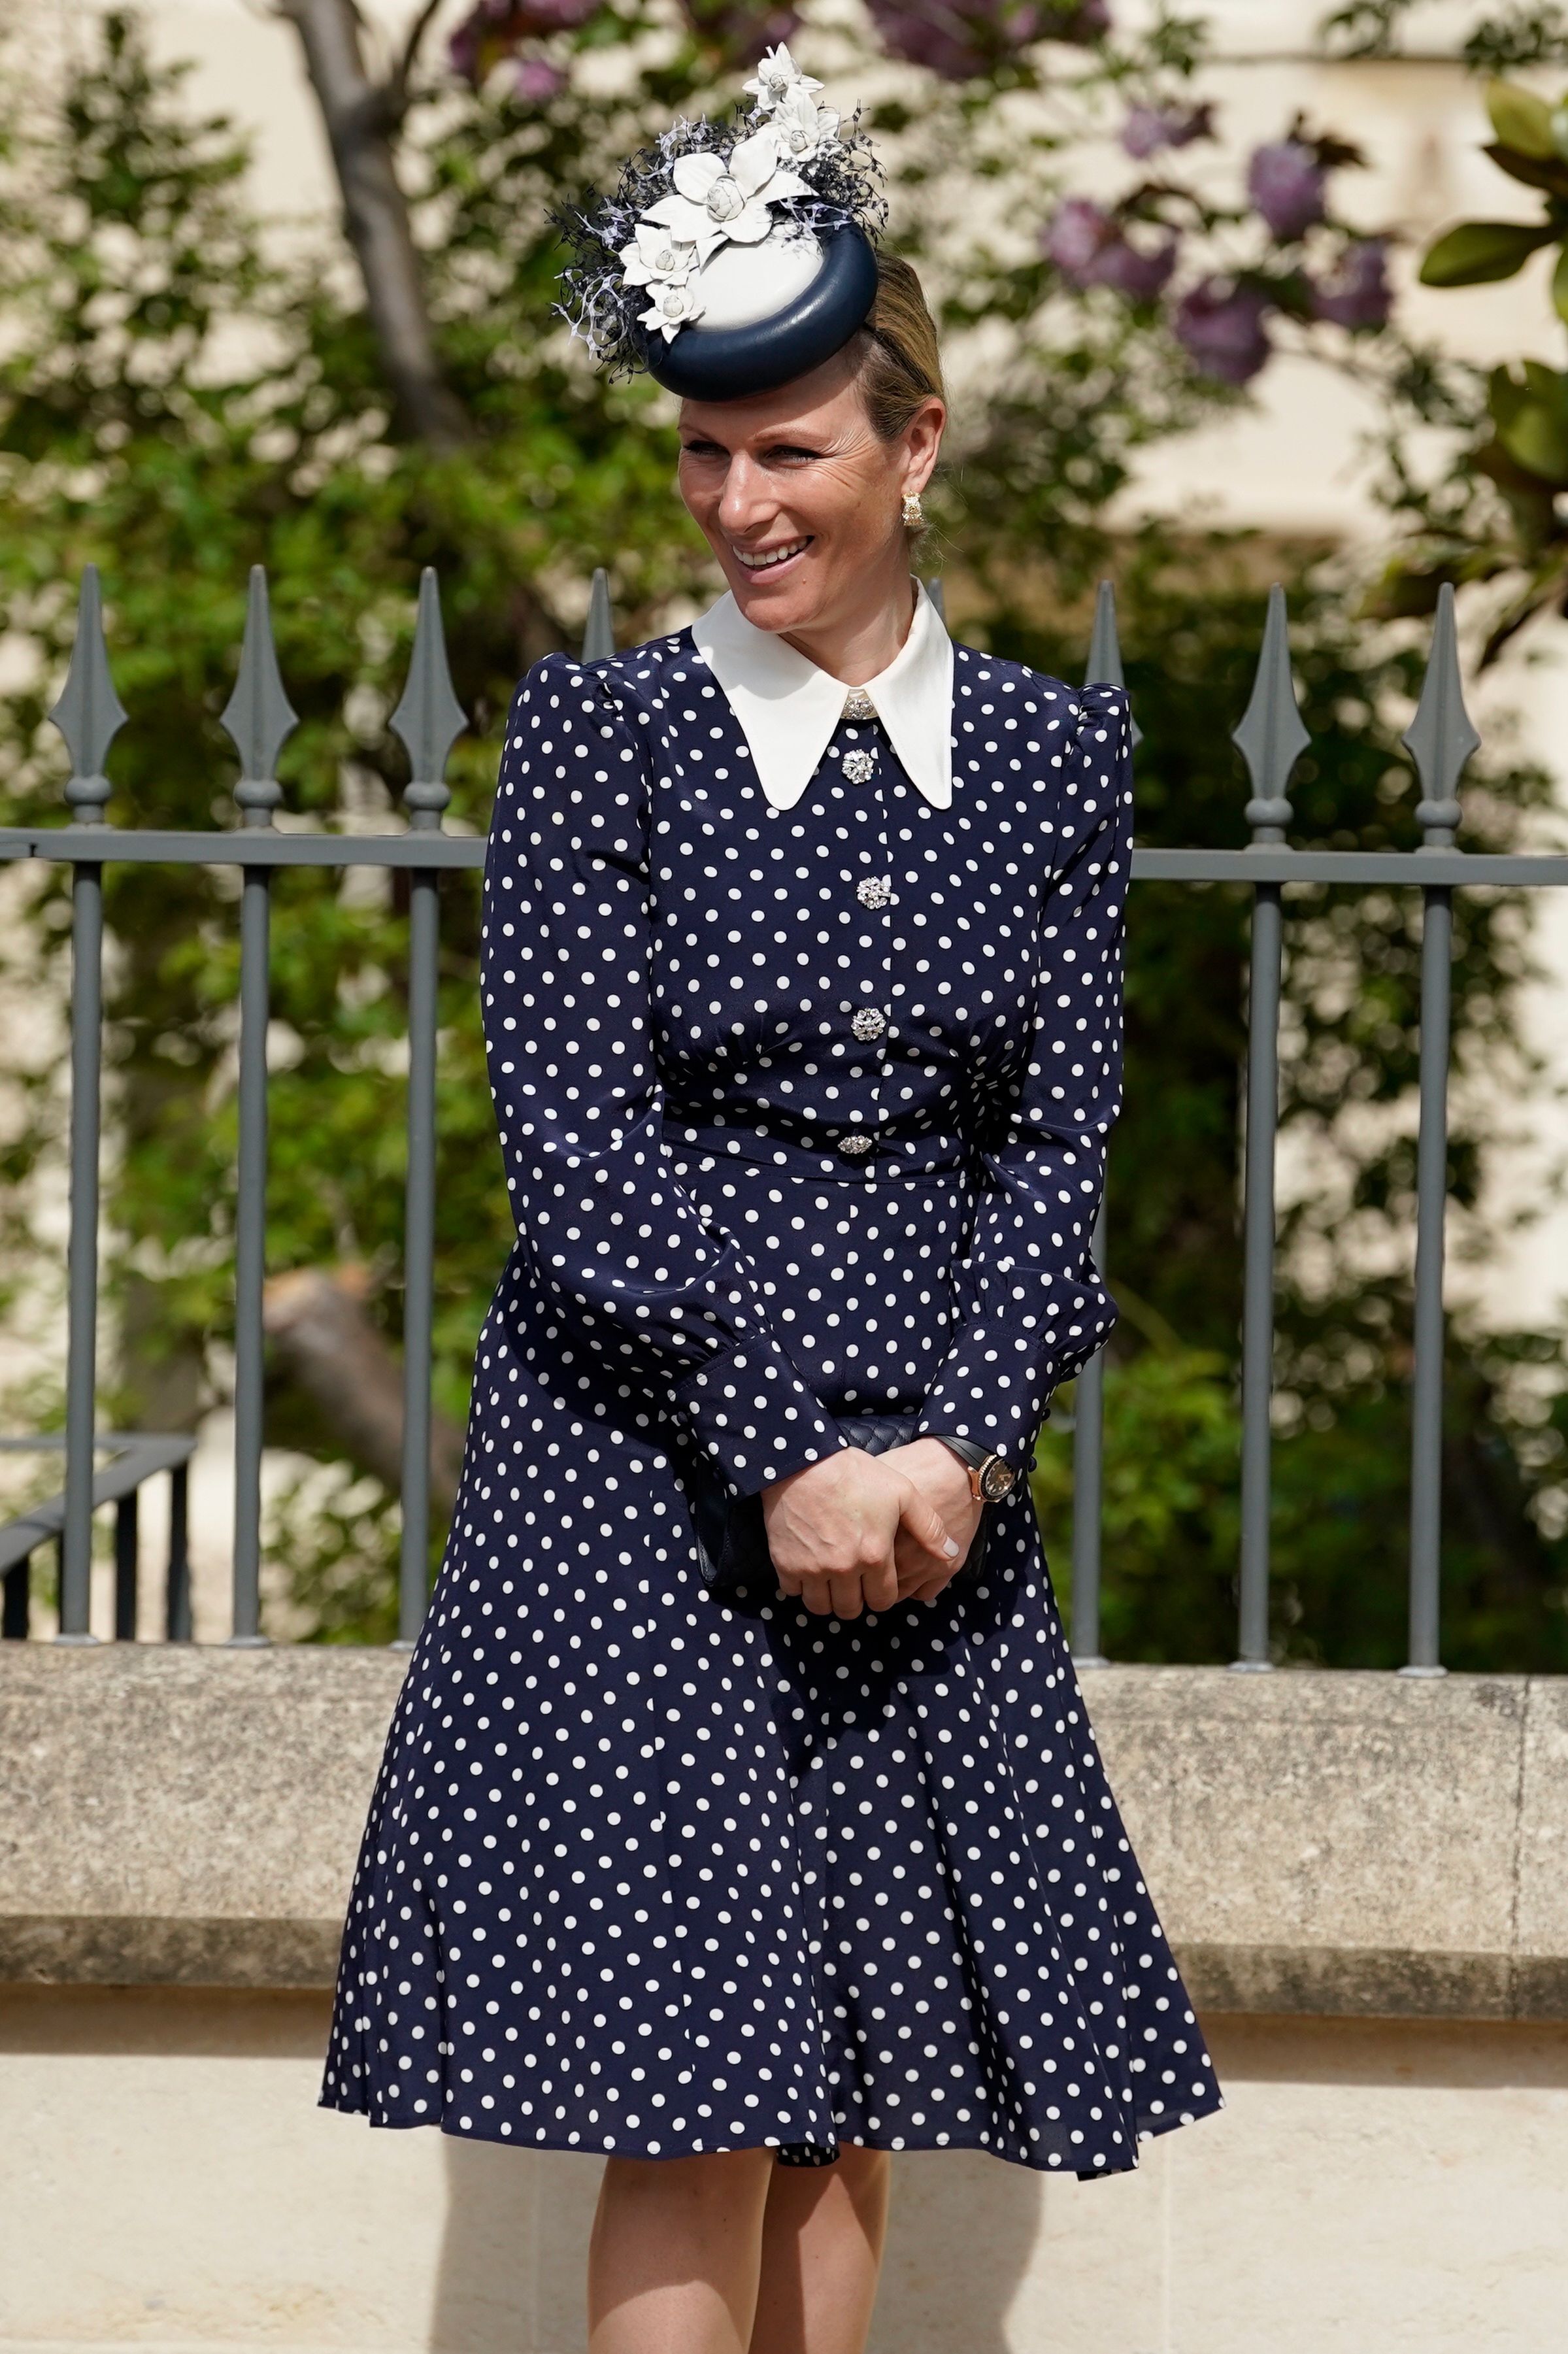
[(167, 2183)]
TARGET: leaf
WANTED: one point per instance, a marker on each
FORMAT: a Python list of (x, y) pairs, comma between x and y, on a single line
[(1552, 175), (1544, 383), (1477, 253), (1560, 285), (1521, 120), (1530, 411), (1531, 502), (1536, 437)]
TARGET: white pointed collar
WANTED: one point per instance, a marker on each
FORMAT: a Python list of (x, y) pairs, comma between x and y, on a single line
[(789, 709)]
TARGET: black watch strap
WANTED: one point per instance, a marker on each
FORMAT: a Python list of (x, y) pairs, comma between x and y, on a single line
[(991, 1476)]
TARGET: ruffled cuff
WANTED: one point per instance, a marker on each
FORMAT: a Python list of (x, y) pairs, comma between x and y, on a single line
[(753, 1415), (994, 1409)]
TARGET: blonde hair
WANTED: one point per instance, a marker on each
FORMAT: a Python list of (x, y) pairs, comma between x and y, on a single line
[(900, 358)]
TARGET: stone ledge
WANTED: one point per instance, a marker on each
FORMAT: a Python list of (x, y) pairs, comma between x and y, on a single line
[(1353, 1845), (128, 1949)]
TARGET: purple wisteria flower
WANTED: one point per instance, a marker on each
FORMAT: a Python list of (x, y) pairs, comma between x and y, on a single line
[(1220, 326), (1285, 181), (1075, 235), (1357, 293), (961, 40), (1149, 128), (1140, 272), (492, 30), (1090, 249), (537, 80)]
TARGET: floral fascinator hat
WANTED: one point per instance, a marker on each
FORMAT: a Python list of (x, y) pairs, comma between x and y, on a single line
[(733, 256)]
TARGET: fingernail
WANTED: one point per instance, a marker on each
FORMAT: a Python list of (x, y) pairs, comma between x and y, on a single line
[(949, 1548)]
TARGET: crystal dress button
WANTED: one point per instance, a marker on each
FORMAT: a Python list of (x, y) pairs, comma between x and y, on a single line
[(858, 705), (874, 891), (854, 1145), (860, 767), (869, 1023)]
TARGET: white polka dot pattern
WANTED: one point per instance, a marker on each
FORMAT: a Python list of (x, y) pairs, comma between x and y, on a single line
[(804, 1114)]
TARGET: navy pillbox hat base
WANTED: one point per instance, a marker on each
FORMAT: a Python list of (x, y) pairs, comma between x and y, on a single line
[(732, 362)]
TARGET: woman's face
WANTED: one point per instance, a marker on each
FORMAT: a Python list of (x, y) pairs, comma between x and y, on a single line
[(798, 498)]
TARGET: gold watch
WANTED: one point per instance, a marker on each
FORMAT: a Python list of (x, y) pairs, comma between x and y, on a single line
[(991, 1476)]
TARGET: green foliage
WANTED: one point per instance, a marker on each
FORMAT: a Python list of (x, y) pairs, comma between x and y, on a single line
[(128, 437), (1521, 35), (1477, 253), (1521, 119), (1172, 1438), (1350, 1060), (178, 400), (1492, 517), (1340, 1521)]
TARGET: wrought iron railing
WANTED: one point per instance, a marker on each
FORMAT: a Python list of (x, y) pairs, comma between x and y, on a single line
[(429, 719), (134, 1457)]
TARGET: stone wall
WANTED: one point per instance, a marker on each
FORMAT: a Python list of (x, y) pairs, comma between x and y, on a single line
[(1328, 1844)]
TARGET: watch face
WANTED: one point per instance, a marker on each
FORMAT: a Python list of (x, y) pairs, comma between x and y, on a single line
[(996, 1479)]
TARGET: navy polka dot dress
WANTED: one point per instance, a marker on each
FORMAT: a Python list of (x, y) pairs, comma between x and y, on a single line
[(804, 1114)]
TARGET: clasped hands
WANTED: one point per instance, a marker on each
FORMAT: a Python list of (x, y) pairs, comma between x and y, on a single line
[(860, 1532)]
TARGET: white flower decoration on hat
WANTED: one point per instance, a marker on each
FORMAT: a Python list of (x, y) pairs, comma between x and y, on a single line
[(728, 222), (777, 76), (802, 127), (657, 254), (715, 202), (674, 307)]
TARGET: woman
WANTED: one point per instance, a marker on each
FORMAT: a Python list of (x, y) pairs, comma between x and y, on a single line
[(740, 1818)]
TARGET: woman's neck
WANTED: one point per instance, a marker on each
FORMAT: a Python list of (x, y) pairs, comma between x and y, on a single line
[(859, 645)]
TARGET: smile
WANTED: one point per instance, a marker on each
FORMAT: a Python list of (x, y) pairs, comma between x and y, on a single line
[(768, 560)]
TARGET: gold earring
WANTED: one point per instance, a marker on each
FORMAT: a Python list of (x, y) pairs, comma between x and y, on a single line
[(914, 512)]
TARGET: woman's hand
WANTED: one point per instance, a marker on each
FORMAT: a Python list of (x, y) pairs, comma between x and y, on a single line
[(842, 1531), (936, 1474)]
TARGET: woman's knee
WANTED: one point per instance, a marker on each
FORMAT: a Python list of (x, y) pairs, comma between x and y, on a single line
[(711, 2179)]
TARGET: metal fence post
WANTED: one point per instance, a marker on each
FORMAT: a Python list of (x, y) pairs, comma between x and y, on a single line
[(1440, 739), (15, 1608), (90, 716), (1104, 669), (259, 719), (177, 1591), (429, 719), (127, 1548), (1271, 740)]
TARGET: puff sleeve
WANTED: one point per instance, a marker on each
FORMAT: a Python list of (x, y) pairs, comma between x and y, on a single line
[(1032, 1308), (664, 1303)]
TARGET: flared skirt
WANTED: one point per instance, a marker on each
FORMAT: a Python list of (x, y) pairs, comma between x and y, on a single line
[(651, 1872)]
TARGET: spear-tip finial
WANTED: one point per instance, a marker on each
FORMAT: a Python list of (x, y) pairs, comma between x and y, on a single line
[(89, 714), (598, 630), (430, 718), (1105, 653), (260, 717), (1271, 738), (1441, 737)]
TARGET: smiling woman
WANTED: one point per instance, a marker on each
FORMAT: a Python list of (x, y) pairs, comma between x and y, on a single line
[(741, 1821), (808, 494)]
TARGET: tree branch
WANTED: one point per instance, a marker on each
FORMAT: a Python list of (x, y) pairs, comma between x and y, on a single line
[(360, 116), (315, 1319), (397, 87)]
